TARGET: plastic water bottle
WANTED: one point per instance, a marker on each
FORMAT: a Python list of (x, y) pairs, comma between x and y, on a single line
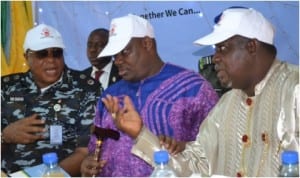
[(161, 169), (52, 169), (289, 164)]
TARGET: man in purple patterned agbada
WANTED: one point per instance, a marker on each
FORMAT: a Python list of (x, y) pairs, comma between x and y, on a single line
[(172, 101)]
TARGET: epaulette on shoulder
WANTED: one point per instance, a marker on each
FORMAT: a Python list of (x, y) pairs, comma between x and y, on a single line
[(84, 80), (12, 78)]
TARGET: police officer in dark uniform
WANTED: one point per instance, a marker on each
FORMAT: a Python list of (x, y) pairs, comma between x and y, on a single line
[(48, 109)]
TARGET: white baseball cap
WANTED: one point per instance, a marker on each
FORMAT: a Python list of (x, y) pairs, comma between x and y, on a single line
[(42, 37), (240, 21), (124, 28)]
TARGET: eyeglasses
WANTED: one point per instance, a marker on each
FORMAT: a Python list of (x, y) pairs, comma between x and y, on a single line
[(41, 54)]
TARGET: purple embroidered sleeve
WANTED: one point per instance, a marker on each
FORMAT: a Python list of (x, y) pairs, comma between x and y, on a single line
[(188, 113)]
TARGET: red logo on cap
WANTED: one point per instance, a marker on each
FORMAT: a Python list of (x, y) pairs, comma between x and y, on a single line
[(112, 30), (45, 32)]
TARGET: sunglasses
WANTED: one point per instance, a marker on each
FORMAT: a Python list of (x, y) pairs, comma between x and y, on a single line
[(41, 54)]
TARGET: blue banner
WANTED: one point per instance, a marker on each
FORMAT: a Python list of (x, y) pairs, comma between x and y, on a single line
[(177, 25)]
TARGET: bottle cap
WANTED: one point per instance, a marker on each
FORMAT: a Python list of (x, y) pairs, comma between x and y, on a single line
[(161, 156), (50, 158), (289, 157)]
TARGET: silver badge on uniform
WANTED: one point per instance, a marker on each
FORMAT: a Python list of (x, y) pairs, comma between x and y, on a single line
[(90, 82), (57, 107), (82, 76)]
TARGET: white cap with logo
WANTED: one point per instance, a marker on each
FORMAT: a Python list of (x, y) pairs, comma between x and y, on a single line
[(42, 37), (124, 28), (245, 22)]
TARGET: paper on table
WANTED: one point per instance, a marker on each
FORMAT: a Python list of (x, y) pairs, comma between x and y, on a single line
[(35, 171)]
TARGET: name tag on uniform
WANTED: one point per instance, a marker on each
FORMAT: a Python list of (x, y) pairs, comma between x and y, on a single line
[(56, 134), (16, 98)]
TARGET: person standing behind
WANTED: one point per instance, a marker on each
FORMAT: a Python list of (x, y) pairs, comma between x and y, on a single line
[(245, 133), (172, 101), (49, 108), (103, 69)]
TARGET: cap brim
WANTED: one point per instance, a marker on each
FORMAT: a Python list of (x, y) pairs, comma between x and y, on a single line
[(114, 46), (214, 38), (42, 46)]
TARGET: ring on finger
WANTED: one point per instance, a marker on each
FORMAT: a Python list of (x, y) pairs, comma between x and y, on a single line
[(113, 115)]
